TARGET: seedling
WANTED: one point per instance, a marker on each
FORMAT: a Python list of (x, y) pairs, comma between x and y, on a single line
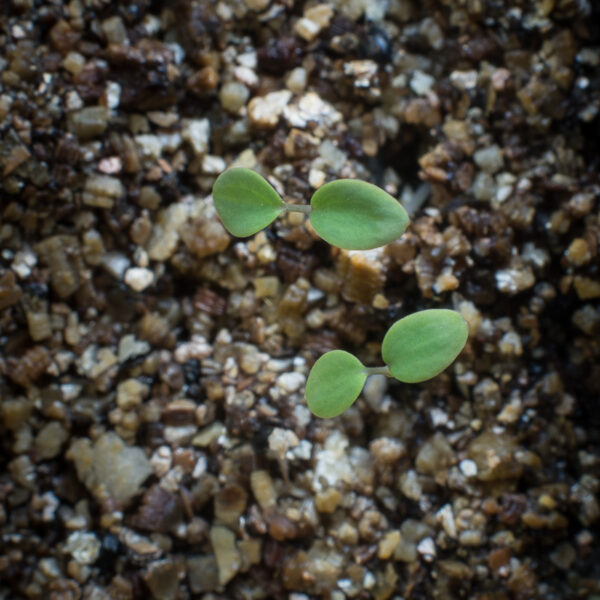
[(354, 215), (415, 348), (347, 213)]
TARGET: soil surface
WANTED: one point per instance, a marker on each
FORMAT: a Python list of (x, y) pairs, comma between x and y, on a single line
[(155, 440)]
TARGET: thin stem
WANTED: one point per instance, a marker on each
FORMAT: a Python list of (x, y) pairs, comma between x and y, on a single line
[(301, 208), (385, 370)]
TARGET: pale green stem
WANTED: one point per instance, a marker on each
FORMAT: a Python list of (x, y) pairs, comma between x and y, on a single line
[(302, 208), (385, 370)]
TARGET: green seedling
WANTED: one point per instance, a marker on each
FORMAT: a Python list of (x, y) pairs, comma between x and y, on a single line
[(416, 348), (354, 215), (347, 213)]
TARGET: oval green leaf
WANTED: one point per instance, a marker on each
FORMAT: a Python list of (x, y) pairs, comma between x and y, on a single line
[(245, 201), (356, 215), (422, 345), (334, 383)]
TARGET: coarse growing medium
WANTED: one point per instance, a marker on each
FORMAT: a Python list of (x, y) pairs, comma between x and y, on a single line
[(155, 442)]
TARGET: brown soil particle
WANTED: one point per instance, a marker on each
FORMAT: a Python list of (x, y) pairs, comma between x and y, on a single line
[(156, 443)]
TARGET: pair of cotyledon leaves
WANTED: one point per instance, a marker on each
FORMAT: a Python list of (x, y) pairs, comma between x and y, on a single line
[(353, 215), (347, 213), (415, 348)]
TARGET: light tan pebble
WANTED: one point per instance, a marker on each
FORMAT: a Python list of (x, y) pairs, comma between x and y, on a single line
[(468, 467), (510, 344), (130, 393), (426, 547), (266, 254), (109, 468), (307, 29), (489, 159), (213, 165), (511, 412), (263, 489), (209, 434), (110, 165), (265, 111), (101, 191), (296, 80), (321, 14), (291, 382), (138, 279), (434, 455), (149, 146), (115, 264), (578, 253), (315, 319), (266, 287), (226, 553), (111, 97), (410, 485), (421, 83), (88, 122), (74, 63), (445, 282), (446, 517), (316, 178), (247, 76), (387, 450), (163, 119), (197, 133), (513, 281), (161, 460), (83, 547), (328, 500), (233, 95), (114, 30), (49, 440), (388, 544), (130, 347), (471, 537), (281, 440), (197, 348)]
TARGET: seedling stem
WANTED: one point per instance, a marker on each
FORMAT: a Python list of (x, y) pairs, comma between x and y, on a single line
[(301, 208), (385, 370)]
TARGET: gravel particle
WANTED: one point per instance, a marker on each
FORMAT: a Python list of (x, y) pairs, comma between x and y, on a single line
[(434, 455), (101, 191), (109, 468), (83, 547), (489, 159), (421, 83), (226, 553), (163, 580), (265, 111), (50, 439), (233, 96), (291, 382), (197, 133), (139, 279), (88, 123)]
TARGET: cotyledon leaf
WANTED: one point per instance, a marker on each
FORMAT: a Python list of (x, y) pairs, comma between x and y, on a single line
[(245, 201), (334, 383), (421, 345), (356, 215)]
